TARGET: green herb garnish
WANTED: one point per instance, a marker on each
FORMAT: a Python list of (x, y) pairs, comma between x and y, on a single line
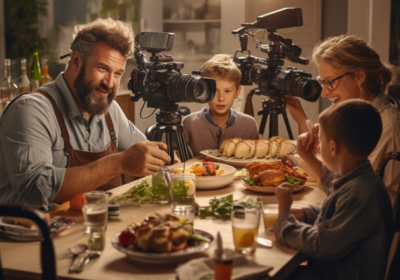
[(221, 207), (293, 180), (181, 192), (145, 192)]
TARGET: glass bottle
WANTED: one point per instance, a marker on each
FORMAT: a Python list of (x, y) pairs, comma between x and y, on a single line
[(24, 85), (36, 71), (45, 72), (8, 89)]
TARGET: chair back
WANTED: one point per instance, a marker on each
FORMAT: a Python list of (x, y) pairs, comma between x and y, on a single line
[(393, 267), (47, 249)]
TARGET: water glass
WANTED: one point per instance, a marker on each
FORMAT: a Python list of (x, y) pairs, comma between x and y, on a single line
[(94, 208), (270, 215), (183, 193), (245, 223)]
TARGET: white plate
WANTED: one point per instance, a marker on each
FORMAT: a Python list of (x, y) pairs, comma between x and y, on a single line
[(21, 233), (217, 156), (212, 182), (172, 257), (266, 190)]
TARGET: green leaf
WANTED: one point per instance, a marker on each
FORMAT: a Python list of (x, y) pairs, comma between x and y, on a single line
[(293, 180)]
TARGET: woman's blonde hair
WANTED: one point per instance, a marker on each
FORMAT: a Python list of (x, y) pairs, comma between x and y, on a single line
[(222, 66), (350, 53), (116, 34)]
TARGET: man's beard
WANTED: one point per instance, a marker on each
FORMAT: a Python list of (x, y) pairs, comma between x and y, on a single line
[(86, 92)]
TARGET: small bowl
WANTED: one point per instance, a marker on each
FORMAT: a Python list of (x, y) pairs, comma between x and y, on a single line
[(210, 182)]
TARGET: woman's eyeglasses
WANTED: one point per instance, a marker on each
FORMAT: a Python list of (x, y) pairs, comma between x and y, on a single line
[(329, 83)]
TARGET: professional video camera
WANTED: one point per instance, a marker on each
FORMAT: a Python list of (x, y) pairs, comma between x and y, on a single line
[(161, 85), (272, 81)]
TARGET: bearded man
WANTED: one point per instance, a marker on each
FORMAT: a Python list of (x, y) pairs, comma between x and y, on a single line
[(70, 136)]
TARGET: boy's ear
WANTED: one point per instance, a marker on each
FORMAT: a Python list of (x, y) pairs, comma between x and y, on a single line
[(335, 148), (238, 92)]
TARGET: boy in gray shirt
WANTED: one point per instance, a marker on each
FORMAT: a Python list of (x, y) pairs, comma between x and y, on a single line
[(349, 236), (210, 126)]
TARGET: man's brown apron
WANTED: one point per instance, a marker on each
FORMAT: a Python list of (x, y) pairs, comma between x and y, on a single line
[(80, 158)]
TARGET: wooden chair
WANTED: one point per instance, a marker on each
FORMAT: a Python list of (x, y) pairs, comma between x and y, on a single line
[(47, 249), (393, 267)]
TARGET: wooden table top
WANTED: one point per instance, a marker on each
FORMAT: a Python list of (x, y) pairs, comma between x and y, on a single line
[(22, 259)]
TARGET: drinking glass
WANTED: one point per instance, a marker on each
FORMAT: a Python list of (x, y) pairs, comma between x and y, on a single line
[(245, 224), (183, 193), (94, 208), (270, 215)]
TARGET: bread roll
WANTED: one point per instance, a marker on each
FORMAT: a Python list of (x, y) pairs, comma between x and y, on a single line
[(230, 146), (284, 148), (252, 144), (222, 145), (273, 146), (262, 148), (242, 150)]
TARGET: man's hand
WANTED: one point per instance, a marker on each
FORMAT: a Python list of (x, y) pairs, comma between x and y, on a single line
[(283, 194), (142, 159)]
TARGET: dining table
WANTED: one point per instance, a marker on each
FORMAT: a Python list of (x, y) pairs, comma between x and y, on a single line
[(21, 260)]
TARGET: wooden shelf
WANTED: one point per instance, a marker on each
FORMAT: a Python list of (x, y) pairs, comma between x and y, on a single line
[(188, 21)]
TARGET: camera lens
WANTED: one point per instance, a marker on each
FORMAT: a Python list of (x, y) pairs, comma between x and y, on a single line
[(297, 83), (187, 88), (306, 88)]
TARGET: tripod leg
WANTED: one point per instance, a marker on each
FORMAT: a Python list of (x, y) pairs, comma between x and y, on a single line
[(183, 148), (289, 130), (263, 122), (169, 137), (158, 134), (273, 125)]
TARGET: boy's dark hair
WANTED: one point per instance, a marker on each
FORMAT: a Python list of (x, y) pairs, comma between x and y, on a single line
[(354, 123)]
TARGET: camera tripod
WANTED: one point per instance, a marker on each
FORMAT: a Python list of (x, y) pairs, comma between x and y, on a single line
[(273, 106), (170, 124)]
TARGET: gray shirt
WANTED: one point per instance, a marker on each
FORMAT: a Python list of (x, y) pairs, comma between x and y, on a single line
[(32, 158), (350, 235), (202, 134)]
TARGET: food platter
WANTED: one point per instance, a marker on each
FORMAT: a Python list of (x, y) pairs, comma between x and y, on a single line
[(217, 156), (212, 182), (172, 257), (21, 233), (267, 189)]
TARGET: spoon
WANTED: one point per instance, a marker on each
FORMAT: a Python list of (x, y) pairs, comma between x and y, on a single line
[(81, 260), (78, 251)]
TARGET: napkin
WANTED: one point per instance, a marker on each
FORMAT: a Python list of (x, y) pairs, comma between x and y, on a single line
[(203, 268)]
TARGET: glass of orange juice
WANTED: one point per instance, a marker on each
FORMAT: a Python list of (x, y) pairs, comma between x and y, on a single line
[(270, 215), (245, 223)]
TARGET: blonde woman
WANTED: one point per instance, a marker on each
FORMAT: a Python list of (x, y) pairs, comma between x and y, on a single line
[(350, 69)]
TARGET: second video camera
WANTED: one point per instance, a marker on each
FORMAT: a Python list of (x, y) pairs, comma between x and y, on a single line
[(267, 72)]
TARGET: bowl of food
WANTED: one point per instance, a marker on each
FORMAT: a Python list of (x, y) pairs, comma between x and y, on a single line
[(209, 175), (162, 239)]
